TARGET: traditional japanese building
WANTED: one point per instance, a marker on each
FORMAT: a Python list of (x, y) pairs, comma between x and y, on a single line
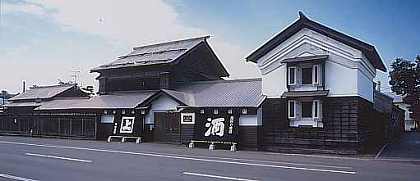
[(21, 118), (316, 94), (320, 90)]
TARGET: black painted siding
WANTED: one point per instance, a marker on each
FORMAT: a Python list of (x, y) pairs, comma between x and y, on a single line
[(250, 137), (349, 127)]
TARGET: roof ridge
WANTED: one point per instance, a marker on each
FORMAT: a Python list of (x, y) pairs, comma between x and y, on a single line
[(153, 52), (227, 81), (50, 86), (169, 42)]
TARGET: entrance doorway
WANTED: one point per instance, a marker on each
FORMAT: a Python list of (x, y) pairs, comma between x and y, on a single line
[(167, 127)]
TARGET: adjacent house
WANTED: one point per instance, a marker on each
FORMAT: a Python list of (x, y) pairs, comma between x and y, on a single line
[(409, 123), (21, 117)]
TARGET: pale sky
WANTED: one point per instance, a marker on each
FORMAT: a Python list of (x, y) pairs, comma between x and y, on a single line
[(43, 41)]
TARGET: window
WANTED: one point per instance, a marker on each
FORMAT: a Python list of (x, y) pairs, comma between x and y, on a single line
[(215, 111), (307, 75), (315, 74), (316, 108), (291, 108), (307, 109), (292, 76), (107, 119)]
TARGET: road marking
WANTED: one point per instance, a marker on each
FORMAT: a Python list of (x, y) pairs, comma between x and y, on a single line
[(16, 177), (266, 161), (58, 157), (321, 156), (184, 158), (217, 176), (380, 151)]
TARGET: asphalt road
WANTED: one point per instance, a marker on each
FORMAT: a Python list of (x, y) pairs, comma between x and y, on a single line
[(29, 159), (407, 147)]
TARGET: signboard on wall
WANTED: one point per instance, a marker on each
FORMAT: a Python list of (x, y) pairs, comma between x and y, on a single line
[(216, 127), (127, 125), (187, 118)]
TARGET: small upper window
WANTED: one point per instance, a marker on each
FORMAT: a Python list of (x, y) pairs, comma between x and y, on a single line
[(315, 74), (292, 76), (291, 109), (316, 108), (307, 109), (307, 75)]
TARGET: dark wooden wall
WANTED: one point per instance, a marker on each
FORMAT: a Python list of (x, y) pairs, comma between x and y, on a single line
[(78, 126), (250, 137), (350, 125)]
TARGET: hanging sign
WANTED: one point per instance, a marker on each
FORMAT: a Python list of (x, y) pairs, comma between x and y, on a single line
[(127, 125), (187, 118), (216, 128)]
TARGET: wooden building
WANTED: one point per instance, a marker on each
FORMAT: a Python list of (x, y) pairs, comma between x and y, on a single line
[(320, 91), (316, 94), (20, 117)]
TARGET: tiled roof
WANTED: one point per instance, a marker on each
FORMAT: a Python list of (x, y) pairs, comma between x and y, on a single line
[(42, 92), (23, 104), (303, 22), (129, 99), (220, 93), (224, 93), (305, 93), (161, 53)]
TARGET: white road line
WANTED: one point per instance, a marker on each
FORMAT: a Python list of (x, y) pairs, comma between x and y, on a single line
[(321, 156), (185, 158), (216, 176), (266, 161), (58, 157), (16, 177), (380, 151)]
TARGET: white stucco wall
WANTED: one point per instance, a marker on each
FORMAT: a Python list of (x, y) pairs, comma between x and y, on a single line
[(274, 83), (251, 120), (162, 104), (347, 71), (364, 86)]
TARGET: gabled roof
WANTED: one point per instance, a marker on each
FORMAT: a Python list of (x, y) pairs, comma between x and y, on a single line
[(219, 93), (223, 93), (161, 53), (43, 92), (116, 100), (303, 22)]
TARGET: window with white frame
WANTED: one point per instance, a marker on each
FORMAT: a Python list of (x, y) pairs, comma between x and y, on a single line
[(291, 76), (315, 74), (316, 109), (304, 112), (291, 107), (306, 109), (307, 75)]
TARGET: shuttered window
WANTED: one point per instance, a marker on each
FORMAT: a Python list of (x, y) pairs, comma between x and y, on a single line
[(292, 76), (291, 108)]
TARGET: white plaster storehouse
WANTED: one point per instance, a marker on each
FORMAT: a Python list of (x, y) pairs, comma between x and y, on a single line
[(319, 87)]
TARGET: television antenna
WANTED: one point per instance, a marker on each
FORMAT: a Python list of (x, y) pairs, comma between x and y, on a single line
[(75, 76)]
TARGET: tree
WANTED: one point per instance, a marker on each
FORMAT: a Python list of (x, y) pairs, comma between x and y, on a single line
[(405, 81)]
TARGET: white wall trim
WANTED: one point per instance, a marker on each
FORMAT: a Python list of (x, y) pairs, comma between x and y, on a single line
[(302, 38)]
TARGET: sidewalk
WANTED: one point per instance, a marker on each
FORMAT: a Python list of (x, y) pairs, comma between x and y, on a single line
[(407, 147)]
